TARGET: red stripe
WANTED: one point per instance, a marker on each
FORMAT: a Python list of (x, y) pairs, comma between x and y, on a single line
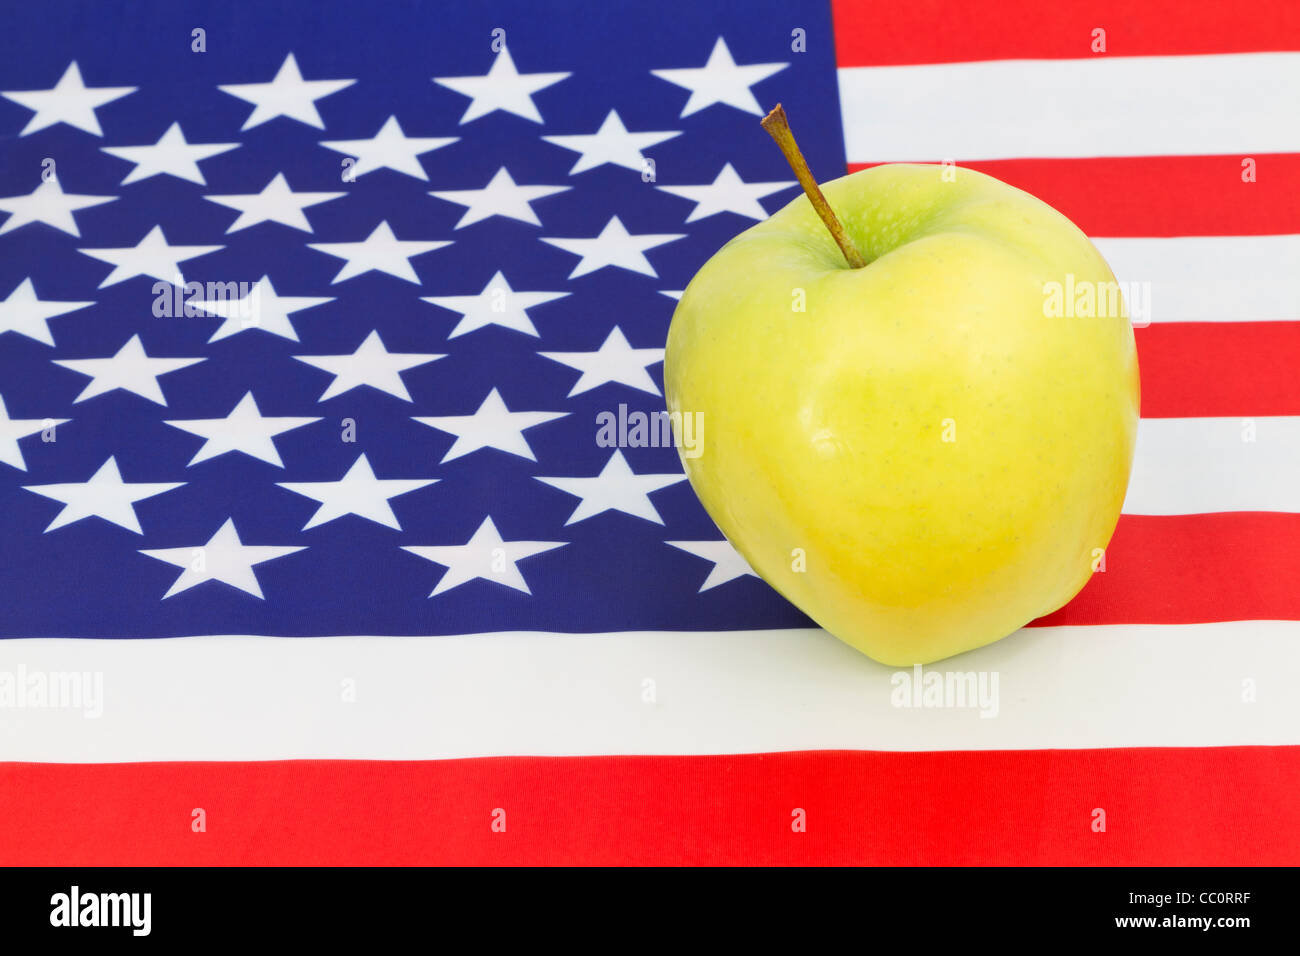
[(1163, 806), (1219, 369), (1187, 569), (940, 31), (1159, 195)]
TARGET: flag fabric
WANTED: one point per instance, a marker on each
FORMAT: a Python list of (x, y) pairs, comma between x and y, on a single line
[(338, 526)]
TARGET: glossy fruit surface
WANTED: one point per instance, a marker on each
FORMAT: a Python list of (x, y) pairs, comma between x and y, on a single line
[(918, 453)]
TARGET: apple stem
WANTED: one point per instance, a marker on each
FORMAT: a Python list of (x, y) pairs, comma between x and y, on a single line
[(778, 127)]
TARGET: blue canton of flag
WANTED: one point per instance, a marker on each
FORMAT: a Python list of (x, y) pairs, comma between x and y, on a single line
[(352, 323)]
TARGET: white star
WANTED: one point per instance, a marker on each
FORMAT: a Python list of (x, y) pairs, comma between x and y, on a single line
[(244, 430), (48, 203), (614, 361), (615, 246), (130, 369), (12, 429), (497, 304), (105, 496), (727, 562), (70, 101), (151, 256), (380, 251), (358, 492), (721, 81), (492, 426), (275, 203), (390, 148), (286, 95), (672, 293), (261, 309), (371, 364), (484, 556), (616, 488), (612, 143), (23, 312), (728, 193), (224, 558), (500, 197), (503, 88), (170, 156)]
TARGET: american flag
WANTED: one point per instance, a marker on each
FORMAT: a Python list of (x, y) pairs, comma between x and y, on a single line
[(310, 319)]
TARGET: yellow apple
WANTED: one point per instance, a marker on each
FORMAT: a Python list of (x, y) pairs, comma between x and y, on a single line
[(927, 452)]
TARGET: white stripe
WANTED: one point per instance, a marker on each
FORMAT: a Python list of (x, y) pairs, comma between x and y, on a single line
[(251, 698), (1207, 278), (1237, 104), (1200, 465)]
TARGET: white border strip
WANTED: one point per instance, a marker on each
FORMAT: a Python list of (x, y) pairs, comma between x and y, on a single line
[(1188, 466), (256, 698), (1207, 278), (1235, 104)]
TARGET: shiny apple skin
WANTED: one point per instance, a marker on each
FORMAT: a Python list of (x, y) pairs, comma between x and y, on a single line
[(922, 460)]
